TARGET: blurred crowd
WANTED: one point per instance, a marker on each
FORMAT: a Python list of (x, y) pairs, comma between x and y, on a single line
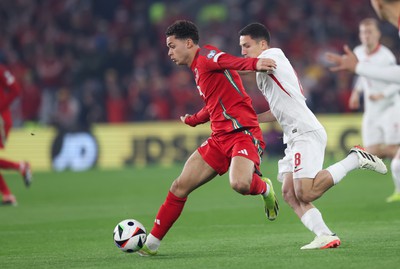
[(90, 61)]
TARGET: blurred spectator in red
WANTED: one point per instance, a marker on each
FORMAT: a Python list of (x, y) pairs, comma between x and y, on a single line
[(30, 98), (66, 111), (116, 104)]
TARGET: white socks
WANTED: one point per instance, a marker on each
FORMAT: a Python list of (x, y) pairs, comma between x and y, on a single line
[(312, 219), (267, 188), (395, 167), (152, 242), (341, 168)]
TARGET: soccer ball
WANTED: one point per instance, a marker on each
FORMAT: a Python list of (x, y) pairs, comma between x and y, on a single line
[(129, 235)]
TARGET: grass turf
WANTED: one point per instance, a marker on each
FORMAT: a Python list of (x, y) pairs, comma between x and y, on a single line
[(66, 220)]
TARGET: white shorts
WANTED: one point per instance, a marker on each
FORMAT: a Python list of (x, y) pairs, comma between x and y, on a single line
[(384, 129), (304, 155)]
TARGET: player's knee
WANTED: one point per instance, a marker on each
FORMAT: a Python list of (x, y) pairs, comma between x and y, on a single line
[(178, 189), (240, 186), (306, 196), (289, 196)]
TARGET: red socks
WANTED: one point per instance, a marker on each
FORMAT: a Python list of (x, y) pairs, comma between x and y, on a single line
[(4, 164), (172, 208), (3, 186), (168, 213), (257, 186)]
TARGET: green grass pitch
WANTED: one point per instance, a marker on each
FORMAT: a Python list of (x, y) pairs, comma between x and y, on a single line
[(66, 220)]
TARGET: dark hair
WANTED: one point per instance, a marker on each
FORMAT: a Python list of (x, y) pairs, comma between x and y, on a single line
[(256, 31), (183, 29)]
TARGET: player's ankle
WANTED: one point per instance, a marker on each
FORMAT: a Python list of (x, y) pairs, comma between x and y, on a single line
[(152, 242)]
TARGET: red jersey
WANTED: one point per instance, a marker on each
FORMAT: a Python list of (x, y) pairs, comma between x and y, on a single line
[(227, 105), (9, 90)]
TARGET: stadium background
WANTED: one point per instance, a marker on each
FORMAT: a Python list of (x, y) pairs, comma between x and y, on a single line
[(99, 89), (96, 77)]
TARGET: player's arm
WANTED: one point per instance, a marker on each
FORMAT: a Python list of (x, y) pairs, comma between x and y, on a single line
[(349, 62), (266, 116), (7, 80), (227, 61), (386, 73), (354, 101), (386, 92), (199, 118)]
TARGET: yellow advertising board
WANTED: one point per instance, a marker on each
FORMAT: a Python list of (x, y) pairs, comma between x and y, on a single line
[(139, 144)]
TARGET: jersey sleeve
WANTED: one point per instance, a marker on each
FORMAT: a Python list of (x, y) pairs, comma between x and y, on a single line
[(200, 117), (219, 60), (9, 85), (389, 73)]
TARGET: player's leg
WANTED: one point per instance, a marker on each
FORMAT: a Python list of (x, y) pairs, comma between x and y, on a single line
[(310, 216), (395, 169), (245, 180), (304, 158), (307, 157), (308, 190), (195, 173), (7, 197), (392, 141), (22, 167), (244, 175)]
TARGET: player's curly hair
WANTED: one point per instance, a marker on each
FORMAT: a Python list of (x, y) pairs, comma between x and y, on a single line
[(256, 31), (183, 29)]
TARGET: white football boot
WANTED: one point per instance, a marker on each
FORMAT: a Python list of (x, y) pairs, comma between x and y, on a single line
[(368, 161), (323, 242)]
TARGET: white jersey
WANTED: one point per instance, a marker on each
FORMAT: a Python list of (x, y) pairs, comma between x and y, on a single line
[(284, 94), (381, 56)]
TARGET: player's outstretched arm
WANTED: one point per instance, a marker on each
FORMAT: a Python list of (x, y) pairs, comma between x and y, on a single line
[(390, 73), (346, 62), (227, 61), (266, 64), (349, 62)]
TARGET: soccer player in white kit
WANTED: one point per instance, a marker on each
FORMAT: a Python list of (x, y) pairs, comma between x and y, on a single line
[(388, 10), (381, 119), (300, 170)]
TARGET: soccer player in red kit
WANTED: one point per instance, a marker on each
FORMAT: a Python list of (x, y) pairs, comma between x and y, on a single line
[(236, 140), (9, 90)]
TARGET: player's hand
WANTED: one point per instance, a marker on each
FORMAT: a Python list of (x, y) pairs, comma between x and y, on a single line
[(348, 61), (183, 118), (376, 97), (266, 64)]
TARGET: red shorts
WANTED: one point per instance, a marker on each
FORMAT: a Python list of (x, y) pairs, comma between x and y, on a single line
[(218, 151)]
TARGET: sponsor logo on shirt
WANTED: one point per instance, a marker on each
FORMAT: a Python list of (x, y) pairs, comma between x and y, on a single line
[(211, 54)]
